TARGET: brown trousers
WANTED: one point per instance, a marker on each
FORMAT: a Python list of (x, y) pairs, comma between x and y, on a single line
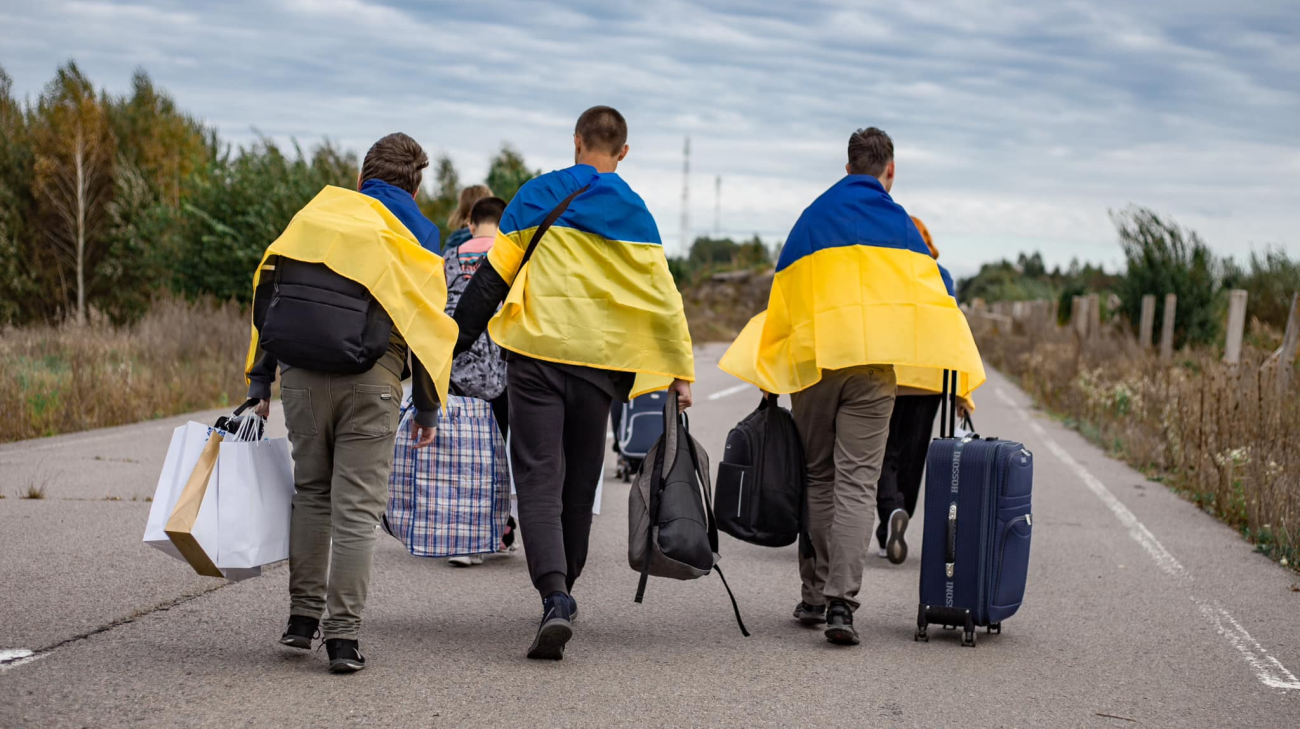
[(843, 421)]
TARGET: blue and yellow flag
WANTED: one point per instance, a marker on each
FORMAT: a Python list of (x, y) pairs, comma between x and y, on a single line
[(597, 291), (855, 285), (359, 238)]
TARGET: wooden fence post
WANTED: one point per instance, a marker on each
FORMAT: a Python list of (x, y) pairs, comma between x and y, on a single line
[(1094, 316), (1236, 326), (1290, 343), (1167, 328), (1148, 326), (1078, 314)]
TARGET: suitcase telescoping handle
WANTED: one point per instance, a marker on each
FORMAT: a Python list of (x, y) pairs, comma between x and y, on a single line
[(948, 406)]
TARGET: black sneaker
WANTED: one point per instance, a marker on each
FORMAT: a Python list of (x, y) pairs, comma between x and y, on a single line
[(895, 547), (345, 655), (555, 630), (839, 624), (810, 614), (301, 632), (573, 611)]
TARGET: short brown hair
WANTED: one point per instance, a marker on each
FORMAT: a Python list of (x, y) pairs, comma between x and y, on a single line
[(396, 159), (603, 129), (487, 210), (870, 152)]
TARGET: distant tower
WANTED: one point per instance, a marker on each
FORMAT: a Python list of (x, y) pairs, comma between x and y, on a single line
[(686, 196), (717, 207)]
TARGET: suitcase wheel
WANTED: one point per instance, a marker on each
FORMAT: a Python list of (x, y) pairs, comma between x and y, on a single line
[(922, 635), (994, 628), (968, 639)]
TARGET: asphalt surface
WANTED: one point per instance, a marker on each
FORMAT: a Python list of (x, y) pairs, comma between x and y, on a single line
[(1140, 609)]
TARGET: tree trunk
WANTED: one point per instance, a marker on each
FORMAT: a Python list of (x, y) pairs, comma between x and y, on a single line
[(79, 155)]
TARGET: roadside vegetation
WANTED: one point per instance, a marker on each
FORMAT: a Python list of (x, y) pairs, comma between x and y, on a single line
[(1225, 436)]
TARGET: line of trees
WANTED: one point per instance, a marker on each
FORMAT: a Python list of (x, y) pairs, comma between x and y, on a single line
[(107, 200), (1161, 257)]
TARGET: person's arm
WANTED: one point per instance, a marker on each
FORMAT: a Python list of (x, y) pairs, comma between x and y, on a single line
[(424, 393), (478, 304)]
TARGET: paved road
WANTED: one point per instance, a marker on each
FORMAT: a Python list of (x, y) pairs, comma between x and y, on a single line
[(1140, 608)]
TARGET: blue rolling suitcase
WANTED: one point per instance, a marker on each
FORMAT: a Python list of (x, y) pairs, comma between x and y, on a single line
[(975, 550), (637, 430)]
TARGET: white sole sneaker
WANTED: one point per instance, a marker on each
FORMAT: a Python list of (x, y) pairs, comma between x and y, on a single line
[(895, 547), (468, 560)]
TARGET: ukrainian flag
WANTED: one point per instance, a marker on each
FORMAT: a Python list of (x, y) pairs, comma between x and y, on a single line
[(855, 285), (596, 291), (357, 237)]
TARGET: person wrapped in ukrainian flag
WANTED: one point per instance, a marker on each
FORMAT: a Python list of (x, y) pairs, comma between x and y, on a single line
[(856, 300), (588, 313)]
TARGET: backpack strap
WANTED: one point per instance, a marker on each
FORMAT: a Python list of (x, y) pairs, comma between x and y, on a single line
[(711, 525), (546, 224)]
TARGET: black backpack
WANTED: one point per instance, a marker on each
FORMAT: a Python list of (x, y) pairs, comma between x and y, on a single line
[(310, 317), (670, 529), (760, 495)]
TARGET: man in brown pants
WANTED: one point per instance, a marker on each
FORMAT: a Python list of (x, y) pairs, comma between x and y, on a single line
[(855, 294), (844, 423)]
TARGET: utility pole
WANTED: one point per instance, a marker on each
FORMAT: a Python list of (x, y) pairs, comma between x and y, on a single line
[(717, 207), (686, 196)]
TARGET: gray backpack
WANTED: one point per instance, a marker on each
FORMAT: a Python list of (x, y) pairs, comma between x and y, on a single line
[(671, 532)]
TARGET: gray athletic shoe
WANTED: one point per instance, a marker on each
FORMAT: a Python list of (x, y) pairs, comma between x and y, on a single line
[(810, 614)]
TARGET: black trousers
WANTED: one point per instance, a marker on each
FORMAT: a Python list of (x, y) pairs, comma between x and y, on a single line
[(557, 450), (501, 411), (909, 440)]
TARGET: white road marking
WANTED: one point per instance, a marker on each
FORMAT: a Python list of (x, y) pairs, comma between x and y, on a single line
[(1268, 669), (10, 658), (730, 391)]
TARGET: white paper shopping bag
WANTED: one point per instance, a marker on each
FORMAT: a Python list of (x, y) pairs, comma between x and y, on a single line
[(182, 455), (254, 499)]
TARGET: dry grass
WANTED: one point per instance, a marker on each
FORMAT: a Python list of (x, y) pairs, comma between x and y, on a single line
[(1223, 436), (181, 357)]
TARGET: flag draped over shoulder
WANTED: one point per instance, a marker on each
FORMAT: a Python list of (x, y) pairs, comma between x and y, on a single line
[(597, 291), (357, 237), (855, 285)]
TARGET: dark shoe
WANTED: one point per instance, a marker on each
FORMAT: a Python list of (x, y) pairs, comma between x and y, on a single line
[(345, 655), (555, 630), (301, 632), (895, 547), (839, 624), (810, 614), (573, 610)]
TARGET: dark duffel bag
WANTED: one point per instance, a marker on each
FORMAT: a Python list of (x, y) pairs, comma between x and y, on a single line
[(761, 480), (313, 318)]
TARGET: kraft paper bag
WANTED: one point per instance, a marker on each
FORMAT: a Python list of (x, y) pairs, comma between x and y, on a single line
[(192, 526)]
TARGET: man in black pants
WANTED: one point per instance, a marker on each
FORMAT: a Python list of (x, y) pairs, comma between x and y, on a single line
[(910, 427), (591, 317)]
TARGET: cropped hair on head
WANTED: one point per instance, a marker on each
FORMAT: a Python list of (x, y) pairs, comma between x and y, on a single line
[(487, 210), (396, 159), (602, 129), (870, 152)]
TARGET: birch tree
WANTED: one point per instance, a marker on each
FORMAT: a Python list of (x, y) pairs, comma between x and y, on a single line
[(75, 152)]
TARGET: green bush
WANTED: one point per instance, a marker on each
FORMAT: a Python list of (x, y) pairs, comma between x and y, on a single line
[(1165, 258)]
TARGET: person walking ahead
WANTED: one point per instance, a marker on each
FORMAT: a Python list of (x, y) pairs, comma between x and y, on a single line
[(340, 299), (917, 402), (593, 316), (855, 293)]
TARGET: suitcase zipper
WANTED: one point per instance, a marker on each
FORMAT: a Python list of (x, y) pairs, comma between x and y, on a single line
[(1002, 546)]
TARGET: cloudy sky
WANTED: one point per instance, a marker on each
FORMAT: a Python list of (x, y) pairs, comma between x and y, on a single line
[(1017, 125)]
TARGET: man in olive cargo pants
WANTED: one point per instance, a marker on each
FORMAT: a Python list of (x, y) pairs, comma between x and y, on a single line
[(843, 421)]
